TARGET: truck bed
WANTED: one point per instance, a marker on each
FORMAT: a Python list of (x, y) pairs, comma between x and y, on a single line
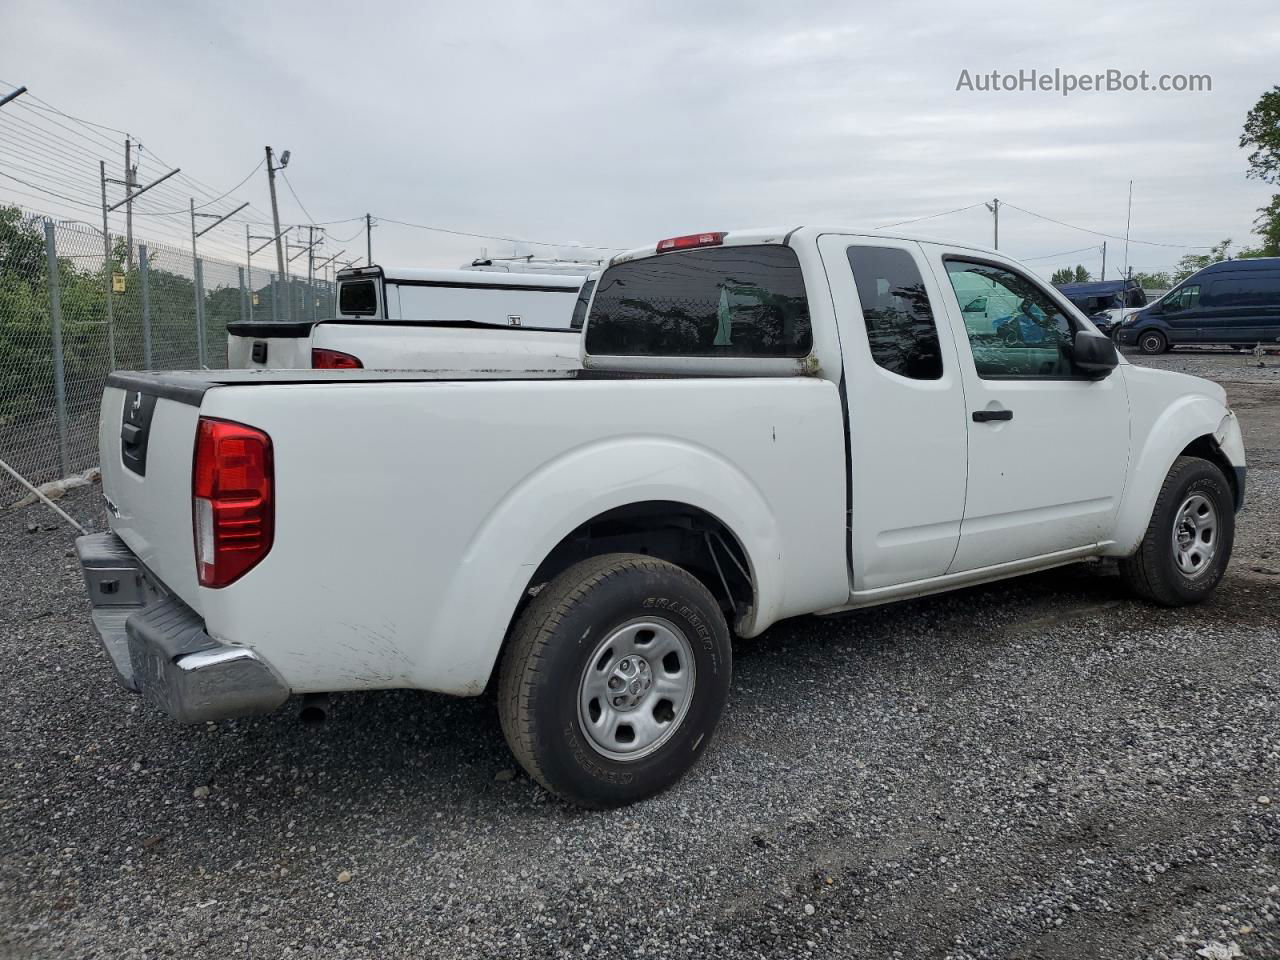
[(413, 507)]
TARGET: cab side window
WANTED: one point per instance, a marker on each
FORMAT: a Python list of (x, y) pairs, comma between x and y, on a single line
[(1185, 298), (895, 307), (1015, 329)]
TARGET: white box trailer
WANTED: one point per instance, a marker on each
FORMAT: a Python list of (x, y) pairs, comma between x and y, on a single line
[(415, 318)]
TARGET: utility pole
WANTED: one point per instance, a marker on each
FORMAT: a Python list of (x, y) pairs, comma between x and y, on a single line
[(130, 181), (275, 207), (202, 330), (1127, 221), (1104, 261), (267, 241), (106, 243), (994, 207), (368, 238), (248, 268), (311, 267)]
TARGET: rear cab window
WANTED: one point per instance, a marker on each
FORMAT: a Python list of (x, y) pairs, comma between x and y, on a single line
[(358, 298), (901, 331), (734, 301)]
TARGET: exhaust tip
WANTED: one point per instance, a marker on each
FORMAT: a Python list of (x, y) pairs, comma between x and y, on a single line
[(314, 710)]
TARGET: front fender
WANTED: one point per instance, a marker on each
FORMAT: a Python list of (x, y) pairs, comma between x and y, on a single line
[(1182, 422), (561, 495)]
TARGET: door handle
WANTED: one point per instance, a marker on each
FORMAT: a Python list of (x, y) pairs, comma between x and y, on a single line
[(985, 416)]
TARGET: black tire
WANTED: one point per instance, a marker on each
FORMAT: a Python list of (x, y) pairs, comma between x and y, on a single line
[(1152, 342), (1153, 572), (544, 671)]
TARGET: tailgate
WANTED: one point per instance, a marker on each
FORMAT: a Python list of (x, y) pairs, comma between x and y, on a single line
[(268, 345), (146, 442)]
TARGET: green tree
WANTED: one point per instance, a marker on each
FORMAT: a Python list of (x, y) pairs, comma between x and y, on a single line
[(1261, 136), (1067, 275), (1198, 261), (1267, 227), (1154, 281)]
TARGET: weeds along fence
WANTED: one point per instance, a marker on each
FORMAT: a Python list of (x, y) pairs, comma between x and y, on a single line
[(70, 314)]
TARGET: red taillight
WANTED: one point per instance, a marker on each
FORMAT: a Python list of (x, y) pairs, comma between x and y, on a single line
[(334, 360), (691, 240), (232, 506)]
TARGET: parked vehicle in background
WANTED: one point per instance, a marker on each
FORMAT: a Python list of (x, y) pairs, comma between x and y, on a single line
[(415, 319), (766, 423), (1235, 302), (535, 265), (1105, 302)]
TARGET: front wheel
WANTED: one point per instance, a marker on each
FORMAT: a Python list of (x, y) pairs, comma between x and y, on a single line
[(1188, 542), (614, 680), (1152, 341)]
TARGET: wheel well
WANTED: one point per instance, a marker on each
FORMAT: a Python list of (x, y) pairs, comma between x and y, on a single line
[(681, 534), (1206, 448)]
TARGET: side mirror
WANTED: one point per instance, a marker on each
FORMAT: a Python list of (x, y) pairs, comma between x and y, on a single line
[(1094, 354)]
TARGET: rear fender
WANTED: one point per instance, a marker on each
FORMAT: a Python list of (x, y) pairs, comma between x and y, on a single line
[(493, 574)]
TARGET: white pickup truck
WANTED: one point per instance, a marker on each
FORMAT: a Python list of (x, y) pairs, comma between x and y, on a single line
[(402, 318), (767, 424)]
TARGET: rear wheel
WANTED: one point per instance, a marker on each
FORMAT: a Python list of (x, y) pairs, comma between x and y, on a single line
[(1188, 542), (1152, 341), (616, 676)]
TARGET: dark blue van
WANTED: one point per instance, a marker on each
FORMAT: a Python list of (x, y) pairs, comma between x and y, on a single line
[(1235, 302)]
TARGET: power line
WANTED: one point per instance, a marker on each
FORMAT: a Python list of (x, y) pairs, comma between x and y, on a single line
[(1064, 253), (285, 178), (201, 206), (932, 216), (51, 193), (32, 96), (1110, 236), (490, 236)]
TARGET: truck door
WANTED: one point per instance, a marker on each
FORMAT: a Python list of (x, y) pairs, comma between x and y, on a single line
[(1048, 447), (906, 410)]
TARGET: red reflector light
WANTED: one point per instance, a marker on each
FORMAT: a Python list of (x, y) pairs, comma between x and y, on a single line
[(232, 501), (334, 360), (691, 240)]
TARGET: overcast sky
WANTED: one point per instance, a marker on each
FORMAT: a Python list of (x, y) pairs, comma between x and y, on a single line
[(619, 124)]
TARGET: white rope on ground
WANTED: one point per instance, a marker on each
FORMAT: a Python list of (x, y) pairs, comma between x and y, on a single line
[(47, 502)]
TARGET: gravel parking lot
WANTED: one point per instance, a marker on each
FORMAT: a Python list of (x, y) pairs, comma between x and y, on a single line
[(1039, 768)]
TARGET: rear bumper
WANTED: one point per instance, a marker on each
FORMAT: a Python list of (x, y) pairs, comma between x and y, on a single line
[(159, 647)]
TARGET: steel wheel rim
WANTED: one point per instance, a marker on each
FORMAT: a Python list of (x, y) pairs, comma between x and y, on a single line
[(1195, 535), (1150, 343), (636, 689)]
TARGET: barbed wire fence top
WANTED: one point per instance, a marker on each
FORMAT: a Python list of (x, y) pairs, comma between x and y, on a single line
[(62, 332)]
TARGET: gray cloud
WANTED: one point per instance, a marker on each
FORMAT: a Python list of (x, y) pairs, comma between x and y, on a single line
[(619, 124)]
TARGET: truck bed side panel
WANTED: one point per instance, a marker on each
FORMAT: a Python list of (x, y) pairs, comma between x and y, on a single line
[(409, 346), (410, 516)]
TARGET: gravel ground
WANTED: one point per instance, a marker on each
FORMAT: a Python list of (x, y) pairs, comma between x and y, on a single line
[(1039, 768)]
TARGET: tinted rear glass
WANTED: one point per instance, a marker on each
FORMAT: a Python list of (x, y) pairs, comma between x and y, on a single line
[(1243, 291), (358, 297), (714, 302), (580, 308), (896, 310)]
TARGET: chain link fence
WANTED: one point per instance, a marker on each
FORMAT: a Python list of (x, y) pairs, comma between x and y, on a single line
[(70, 313)]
